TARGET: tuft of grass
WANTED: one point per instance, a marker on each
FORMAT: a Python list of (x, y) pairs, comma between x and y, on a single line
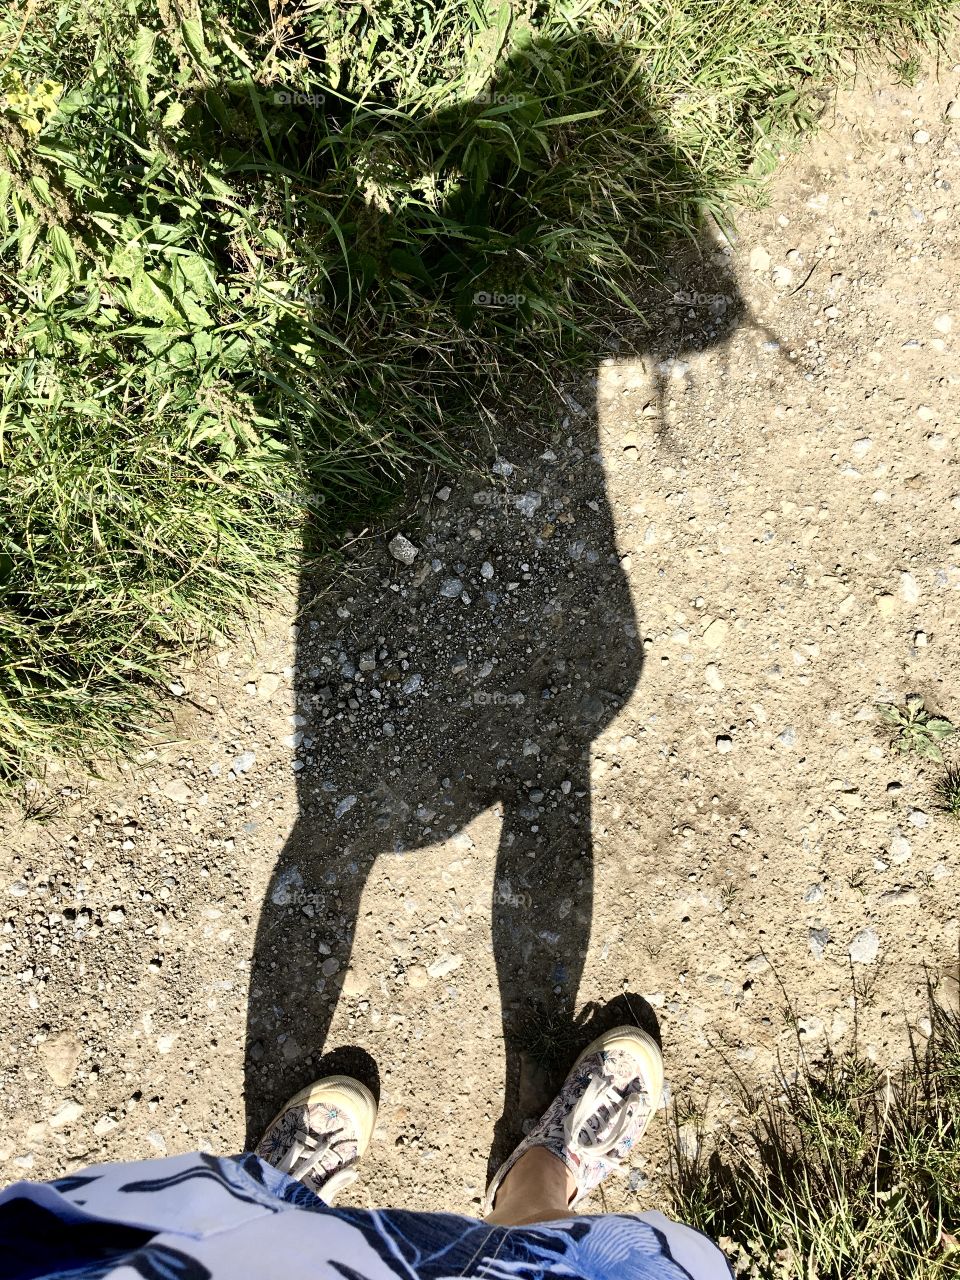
[(242, 256), (844, 1172), (948, 791), (917, 730)]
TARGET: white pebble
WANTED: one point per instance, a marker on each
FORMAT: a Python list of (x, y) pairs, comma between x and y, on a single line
[(865, 947), (402, 549)]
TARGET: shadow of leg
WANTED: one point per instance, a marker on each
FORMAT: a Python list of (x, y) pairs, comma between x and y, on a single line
[(301, 957), (542, 911)]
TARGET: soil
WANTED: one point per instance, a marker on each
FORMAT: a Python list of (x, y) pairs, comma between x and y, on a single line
[(610, 736)]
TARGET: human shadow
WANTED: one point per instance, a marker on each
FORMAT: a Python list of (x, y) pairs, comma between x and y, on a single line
[(476, 674)]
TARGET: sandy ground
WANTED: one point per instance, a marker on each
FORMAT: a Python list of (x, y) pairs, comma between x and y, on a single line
[(653, 642)]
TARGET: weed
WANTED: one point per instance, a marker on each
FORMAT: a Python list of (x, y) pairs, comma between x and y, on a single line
[(918, 730)]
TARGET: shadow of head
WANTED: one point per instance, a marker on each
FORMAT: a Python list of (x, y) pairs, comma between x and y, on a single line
[(473, 662)]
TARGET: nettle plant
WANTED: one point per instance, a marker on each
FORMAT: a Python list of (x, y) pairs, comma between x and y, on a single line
[(917, 730)]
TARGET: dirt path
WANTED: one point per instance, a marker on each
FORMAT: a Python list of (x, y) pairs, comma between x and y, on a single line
[(740, 552)]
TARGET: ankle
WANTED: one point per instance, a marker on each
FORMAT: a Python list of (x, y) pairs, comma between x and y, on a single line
[(538, 1188)]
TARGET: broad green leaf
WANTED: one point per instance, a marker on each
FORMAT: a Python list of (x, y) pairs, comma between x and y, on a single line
[(173, 115), (940, 728), (63, 251), (142, 49)]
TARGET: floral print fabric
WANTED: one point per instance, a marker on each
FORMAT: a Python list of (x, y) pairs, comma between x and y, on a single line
[(201, 1217)]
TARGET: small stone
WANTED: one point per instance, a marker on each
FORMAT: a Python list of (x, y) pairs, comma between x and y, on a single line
[(176, 688), (486, 570), (899, 849), (105, 1125), (68, 1113), (865, 947), (330, 966), (117, 915), (528, 503), (243, 763), (412, 683), (716, 633), (909, 588), (60, 1055), (920, 639), (782, 278), (177, 791), (345, 805), (860, 448), (817, 940), (921, 138), (268, 684), (953, 110), (885, 604), (814, 893), (917, 818), (759, 259), (450, 588), (724, 743), (290, 1049), (712, 677), (444, 966), (787, 736), (898, 898), (402, 549), (943, 324), (417, 976), (444, 494)]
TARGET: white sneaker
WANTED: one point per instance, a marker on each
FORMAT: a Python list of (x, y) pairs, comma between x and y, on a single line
[(602, 1111), (320, 1135)]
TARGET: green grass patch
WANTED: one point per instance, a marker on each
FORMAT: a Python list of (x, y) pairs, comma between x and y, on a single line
[(844, 1171), (240, 263)]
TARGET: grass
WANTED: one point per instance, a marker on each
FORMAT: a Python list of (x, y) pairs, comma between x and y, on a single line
[(240, 258), (843, 1172), (948, 791)]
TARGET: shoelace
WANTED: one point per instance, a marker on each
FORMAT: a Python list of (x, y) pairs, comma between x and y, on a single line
[(601, 1091), (304, 1155)]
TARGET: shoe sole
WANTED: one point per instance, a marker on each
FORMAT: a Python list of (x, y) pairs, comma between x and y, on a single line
[(344, 1093)]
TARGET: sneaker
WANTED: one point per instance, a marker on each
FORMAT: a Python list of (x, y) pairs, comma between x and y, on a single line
[(602, 1111), (320, 1135)]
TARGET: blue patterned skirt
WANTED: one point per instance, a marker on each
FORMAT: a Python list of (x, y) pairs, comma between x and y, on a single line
[(200, 1217)]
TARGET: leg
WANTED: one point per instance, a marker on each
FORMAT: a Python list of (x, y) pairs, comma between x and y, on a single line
[(538, 1188)]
